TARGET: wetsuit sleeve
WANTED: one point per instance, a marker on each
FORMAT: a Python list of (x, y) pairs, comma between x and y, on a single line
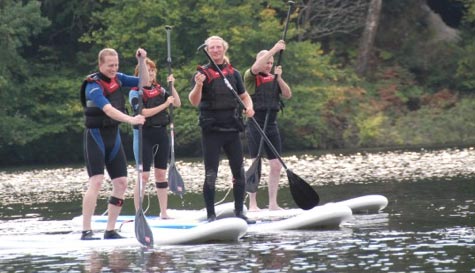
[(95, 94), (127, 80), (250, 81), (134, 100), (239, 84)]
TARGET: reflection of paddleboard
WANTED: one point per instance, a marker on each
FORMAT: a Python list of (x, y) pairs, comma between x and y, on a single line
[(222, 230), (363, 204)]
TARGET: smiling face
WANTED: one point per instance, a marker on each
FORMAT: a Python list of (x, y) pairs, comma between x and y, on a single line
[(108, 63), (216, 48)]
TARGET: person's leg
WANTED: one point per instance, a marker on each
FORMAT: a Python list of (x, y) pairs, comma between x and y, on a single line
[(161, 155), (253, 140), (162, 191), (119, 186), (89, 201), (274, 165), (233, 150), (211, 145), (273, 187)]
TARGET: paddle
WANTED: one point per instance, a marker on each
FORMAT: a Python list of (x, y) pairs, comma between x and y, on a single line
[(143, 233), (177, 185), (253, 174), (303, 194)]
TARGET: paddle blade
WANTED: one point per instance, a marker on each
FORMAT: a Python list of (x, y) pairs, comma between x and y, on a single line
[(175, 180), (143, 233), (303, 194), (253, 176)]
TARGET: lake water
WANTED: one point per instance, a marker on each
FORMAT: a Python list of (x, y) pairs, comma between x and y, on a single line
[(428, 225)]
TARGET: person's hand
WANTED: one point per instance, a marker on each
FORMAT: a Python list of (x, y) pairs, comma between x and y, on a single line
[(200, 78), (138, 120), (170, 100), (141, 54), (170, 78), (278, 70), (249, 112), (280, 45)]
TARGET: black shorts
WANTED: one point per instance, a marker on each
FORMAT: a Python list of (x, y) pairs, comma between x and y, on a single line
[(103, 148), (254, 138), (156, 147)]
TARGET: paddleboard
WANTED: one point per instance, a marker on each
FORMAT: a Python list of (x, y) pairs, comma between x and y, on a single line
[(364, 204), (327, 216), (219, 231), (319, 217)]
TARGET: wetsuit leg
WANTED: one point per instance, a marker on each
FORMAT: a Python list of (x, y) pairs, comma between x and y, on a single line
[(211, 144), (233, 150)]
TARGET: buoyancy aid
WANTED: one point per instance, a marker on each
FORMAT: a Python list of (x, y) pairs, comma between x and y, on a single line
[(266, 96), (154, 96), (216, 95), (219, 110), (95, 117)]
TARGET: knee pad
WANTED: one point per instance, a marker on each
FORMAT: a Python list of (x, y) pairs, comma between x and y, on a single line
[(116, 201), (161, 185)]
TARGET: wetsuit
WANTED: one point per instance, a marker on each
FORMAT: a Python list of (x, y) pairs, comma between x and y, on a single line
[(102, 142), (264, 97), (220, 124), (155, 140)]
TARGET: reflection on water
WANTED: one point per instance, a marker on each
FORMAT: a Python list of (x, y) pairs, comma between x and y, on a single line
[(428, 226)]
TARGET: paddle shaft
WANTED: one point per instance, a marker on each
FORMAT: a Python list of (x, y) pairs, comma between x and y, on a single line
[(274, 82), (170, 88), (235, 94), (142, 229)]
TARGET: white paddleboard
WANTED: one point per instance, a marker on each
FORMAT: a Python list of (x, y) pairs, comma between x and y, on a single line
[(219, 231), (326, 216), (363, 204)]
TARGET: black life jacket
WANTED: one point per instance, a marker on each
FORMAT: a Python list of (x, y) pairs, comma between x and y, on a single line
[(154, 96), (219, 109), (216, 95), (265, 97), (95, 117)]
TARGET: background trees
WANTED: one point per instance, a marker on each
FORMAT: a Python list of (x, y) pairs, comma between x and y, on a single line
[(416, 89)]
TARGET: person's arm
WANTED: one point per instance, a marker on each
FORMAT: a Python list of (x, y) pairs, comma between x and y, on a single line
[(249, 81), (119, 116), (141, 55), (246, 99), (177, 100), (195, 94), (261, 62), (284, 87)]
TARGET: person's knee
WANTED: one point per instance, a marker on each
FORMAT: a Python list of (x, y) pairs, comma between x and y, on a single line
[(120, 184), (275, 166), (95, 182)]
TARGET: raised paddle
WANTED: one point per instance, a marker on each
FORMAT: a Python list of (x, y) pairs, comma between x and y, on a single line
[(143, 233), (177, 185), (253, 174), (303, 194)]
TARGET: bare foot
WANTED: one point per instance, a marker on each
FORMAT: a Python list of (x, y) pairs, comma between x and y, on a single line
[(275, 208), (165, 216), (254, 209)]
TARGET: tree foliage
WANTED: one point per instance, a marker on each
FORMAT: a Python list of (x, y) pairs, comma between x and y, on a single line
[(417, 92)]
